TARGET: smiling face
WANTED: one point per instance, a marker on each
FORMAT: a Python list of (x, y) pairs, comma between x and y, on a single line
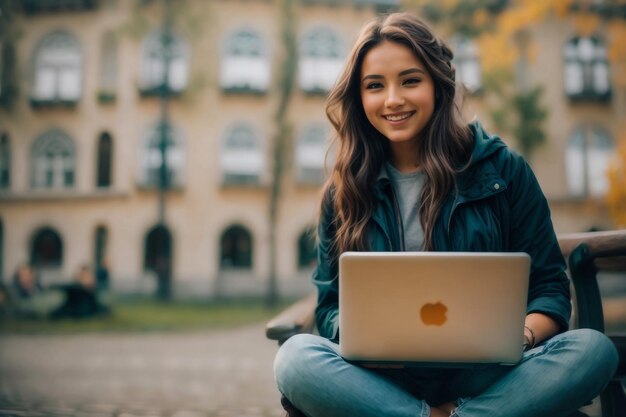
[(397, 93)]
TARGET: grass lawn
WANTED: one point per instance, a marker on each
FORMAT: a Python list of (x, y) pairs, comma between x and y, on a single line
[(145, 315)]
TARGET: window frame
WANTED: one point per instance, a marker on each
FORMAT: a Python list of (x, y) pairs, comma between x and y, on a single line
[(302, 142), (247, 83), (46, 168), (108, 162), (107, 89), (181, 56), (248, 263), (254, 155), (55, 264), (5, 161), (149, 176), (467, 53), (309, 79), (575, 65), (152, 252), (587, 185), (57, 69)]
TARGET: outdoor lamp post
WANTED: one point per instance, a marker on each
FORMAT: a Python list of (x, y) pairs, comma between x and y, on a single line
[(162, 260)]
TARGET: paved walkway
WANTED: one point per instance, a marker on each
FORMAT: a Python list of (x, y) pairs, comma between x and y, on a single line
[(200, 374)]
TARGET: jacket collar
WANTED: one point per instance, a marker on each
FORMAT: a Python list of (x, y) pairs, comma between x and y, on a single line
[(480, 179)]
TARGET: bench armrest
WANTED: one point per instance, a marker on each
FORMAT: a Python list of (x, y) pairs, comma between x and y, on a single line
[(588, 253), (297, 318), (600, 244)]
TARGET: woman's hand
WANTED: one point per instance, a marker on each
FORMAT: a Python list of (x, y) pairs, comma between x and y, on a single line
[(537, 328), (529, 338)]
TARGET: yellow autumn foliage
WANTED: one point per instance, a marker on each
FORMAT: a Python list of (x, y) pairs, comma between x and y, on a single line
[(616, 196), (449, 4), (561, 7), (617, 52), (617, 31), (586, 24), (481, 18), (496, 52), (498, 49)]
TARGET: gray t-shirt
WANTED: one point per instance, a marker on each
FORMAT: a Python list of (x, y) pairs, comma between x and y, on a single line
[(408, 187)]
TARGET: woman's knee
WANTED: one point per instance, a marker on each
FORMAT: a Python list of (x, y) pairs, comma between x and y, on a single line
[(295, 358), (599, 342), (597, 351)]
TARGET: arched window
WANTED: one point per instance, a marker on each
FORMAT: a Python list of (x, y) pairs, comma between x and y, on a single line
[(53, 161), (467, 63), (150, 157), (245, 66), (154, 55), (100, 253), (158, 258), (241, 157), (236, 248), (1, 251), (100, 245), (310, 155), (158, 248), (5, 161), (58, 68), (307, 252), (108, 68), (586, 162), (105, 154), (46, 249), (320, 60), (586, 69), (3, 64)]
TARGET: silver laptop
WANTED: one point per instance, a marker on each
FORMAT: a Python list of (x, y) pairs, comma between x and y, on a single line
[(432, 308)]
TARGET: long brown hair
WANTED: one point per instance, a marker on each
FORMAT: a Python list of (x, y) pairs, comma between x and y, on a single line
[(444, 149)]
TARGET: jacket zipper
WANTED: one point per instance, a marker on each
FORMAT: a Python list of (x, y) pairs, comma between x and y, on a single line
[(384, 231), (455, 204), (400, 225)]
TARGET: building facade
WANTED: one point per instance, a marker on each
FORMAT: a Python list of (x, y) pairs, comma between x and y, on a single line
[(80, 149)]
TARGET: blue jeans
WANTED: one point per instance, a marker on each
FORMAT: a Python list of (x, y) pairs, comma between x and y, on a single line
[(553, 379)]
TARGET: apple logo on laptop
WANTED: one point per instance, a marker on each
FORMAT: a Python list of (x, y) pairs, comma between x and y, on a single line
[(434, 314)]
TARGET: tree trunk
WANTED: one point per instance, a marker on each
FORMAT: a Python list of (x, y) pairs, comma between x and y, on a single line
[(287, 69)]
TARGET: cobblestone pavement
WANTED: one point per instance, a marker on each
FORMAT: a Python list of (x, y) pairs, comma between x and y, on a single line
[(193, 374), (200, 374)]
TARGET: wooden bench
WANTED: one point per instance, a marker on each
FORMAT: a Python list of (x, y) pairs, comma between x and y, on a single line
[(587, 254)]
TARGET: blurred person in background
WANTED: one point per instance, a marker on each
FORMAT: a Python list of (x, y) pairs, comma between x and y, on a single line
[(103, 283), (28, 297), (81, 298), (5, 301), (26, 282)]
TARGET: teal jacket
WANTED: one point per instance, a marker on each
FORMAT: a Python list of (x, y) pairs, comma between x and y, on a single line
[(496, 206)]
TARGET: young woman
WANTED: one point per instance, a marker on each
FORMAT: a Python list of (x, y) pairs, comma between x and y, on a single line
[(409, 175)]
